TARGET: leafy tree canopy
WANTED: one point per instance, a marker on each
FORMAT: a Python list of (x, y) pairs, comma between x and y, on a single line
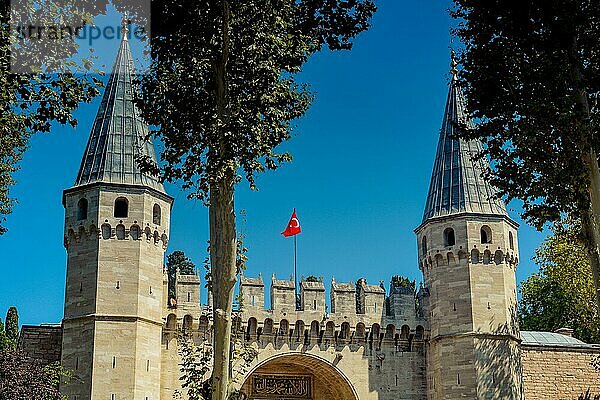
[(12, 324), (562, 293), (222, 89), (312, 278), (175, 260), (4, 342), (532, 77), (531, 71), (23, 378), (402, 281), (48, 91), (178, 259)]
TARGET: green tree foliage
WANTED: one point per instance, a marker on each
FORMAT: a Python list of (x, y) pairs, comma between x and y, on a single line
[(12, 325), (402, 281), (197, 360), (31, 102), (312, 278), (532, 76), (175, 260), (23, 378), (562, 293), (222, 90), (4, 342), (178, 259)]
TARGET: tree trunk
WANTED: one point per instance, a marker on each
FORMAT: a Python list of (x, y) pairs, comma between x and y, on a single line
[(590, 213), (222, 230), (591, 226), (223, 271), (592, 250)]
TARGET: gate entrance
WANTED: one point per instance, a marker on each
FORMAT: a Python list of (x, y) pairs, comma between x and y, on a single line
[(297, 377)]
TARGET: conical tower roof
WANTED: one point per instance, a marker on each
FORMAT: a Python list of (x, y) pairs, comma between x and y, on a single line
[(457, 185), (118, 134)]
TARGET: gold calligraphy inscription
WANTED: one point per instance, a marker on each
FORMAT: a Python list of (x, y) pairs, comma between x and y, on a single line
[(282, 386)]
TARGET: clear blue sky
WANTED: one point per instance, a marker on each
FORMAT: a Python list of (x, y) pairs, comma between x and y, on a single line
[(362, 163)]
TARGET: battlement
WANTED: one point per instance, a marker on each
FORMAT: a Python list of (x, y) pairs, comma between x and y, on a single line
[(361, 314), (295, 332), (106, 231), (350, 302)]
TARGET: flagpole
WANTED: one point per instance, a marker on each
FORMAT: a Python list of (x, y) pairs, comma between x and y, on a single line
[(295, 275)]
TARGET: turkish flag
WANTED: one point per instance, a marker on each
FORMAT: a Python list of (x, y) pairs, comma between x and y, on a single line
[(293, 227)]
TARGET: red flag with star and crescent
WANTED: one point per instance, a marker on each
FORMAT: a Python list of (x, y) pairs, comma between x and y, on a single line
[(293, 227)]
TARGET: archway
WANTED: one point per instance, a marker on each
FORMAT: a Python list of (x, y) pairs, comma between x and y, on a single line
[(297, 376)]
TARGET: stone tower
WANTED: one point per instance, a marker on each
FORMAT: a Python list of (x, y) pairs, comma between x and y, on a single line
[(116, 232), (468, 252)]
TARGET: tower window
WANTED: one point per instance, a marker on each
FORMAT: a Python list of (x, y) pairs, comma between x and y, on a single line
[(424, 245), (82, 209), (511, 241), (315, 304), (486, 234), (156, 214), (449, 238), (114, 364), (121, 207)]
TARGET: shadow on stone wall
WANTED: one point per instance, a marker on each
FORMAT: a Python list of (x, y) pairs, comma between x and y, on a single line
[(391, 358), (498, 361)]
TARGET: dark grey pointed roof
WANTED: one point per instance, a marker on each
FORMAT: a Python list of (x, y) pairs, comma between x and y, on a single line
[(456, 182), (118, 134)]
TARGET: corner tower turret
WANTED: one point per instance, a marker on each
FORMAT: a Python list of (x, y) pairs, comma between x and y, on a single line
[(116, 232), (468, 253)]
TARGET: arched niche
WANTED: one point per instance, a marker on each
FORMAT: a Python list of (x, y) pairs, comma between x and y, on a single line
[(314, 377)]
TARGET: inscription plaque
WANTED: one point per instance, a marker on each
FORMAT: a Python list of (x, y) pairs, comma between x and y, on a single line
[(281, 387)]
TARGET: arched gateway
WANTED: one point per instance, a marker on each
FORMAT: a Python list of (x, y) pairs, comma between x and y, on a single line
[(297, 376)]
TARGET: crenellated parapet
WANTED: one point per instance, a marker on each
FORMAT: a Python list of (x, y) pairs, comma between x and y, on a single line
[(120, 231), (392, 321), (335, 332), (370, 299), (360, 313), (283, 295), (347, 299), (312, 295), (253, 295)]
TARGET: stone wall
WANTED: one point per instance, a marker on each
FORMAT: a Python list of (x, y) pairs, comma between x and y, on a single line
[(559, 373), (41, 343)]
